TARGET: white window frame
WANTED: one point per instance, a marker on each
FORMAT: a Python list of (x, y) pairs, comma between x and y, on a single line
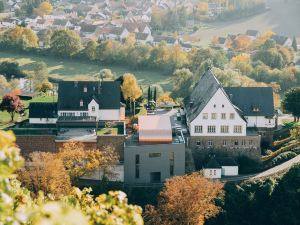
[(211, 129), (198, 129)]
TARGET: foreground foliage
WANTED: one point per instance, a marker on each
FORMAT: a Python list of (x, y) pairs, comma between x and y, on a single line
[(79, 207)]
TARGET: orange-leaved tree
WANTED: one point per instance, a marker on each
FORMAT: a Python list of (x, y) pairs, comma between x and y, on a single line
[(188, 199)]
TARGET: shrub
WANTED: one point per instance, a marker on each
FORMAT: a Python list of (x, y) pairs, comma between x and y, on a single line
[(283, 157), (248, 165)]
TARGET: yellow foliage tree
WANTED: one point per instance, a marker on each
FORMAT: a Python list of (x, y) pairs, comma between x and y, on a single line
[(243, 42), (165, 99), (44, 8), (130, 89), (202, 7)]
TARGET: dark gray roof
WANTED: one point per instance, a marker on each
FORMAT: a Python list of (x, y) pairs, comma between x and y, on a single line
[(226, 161), (252, 33), (221, 40), (106, 93), (141, 36), (169, 40), (42, 110), (212, 164), (201, 94), (249, 99), (280, 40)]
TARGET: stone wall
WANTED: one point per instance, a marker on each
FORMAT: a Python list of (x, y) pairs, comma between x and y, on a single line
[(117, 142), (33, 143), (248, 145)]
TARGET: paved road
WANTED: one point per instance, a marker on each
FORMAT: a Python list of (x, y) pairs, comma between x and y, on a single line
[(283, 18), (280, 168)]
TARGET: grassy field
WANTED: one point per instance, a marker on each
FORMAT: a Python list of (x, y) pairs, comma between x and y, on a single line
[(5, 117), (71, 69)]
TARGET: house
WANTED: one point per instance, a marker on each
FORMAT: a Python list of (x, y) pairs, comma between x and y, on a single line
[(61, 23), (42, 113), (155, 153), (143, 38), (99, 100), (216, 123), (222, 43), (219, 167), (117, 33), (282, 40), (187, 47), (252, 34), (171, 41)]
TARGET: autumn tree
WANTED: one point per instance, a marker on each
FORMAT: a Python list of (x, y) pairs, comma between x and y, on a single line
[(12, 103), (130, 89), (165, 99), (79, 162), (45, 87), (44, 8), (65, 43), (291, 102), (188, 199), (3, 83), (202, 7), (242, 62), (243, 42), (45, 172), (106, 74), (90, 50), (182, 80)]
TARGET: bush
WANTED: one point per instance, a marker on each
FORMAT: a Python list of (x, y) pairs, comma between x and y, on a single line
[(283, 157), (248, 165), (283, 149)]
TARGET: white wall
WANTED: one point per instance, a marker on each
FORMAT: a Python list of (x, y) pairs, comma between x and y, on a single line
[(210, 173), (42, 120), (260, 121), (109, 114), (230, 170), (218, 99), (95, 113)]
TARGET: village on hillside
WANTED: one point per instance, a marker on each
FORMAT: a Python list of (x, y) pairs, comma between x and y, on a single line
[(124, 95)]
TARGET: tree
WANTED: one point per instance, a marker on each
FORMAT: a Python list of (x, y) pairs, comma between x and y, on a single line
[(1, 6), (90, 50), (243, 42), (45, 172), (45, 87), (106, 74), (3, 83), (182, 80), (80, 162), (130, 89), (44, 8), (291, 102), (295, 133), (188, 199), (10, 69), (40, 74), (165, 99), (294, 44), (65, 43), (12, 104)]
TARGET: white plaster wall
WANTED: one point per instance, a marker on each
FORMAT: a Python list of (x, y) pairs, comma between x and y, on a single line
[(109, 114), (260, 121), (230, 170), (42, 120), (95, 113), (206, 173), (218, 99)]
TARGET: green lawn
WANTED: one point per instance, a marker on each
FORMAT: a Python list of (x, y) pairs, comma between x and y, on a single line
[(5, 117), (106, 131), (74, 69)]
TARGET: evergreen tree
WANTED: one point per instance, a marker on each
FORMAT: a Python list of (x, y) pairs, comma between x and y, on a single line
[(154, 95), (294, 44)]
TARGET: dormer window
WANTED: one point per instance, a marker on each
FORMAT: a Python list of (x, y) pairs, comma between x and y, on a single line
[(81, 102), (85, 89), (255, 108)]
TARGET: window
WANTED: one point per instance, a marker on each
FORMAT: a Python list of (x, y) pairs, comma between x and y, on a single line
[(224, 129), (223, 116), (215, 172), (81, 102), (205, 116), (236, 142), (85, 89), (243, 142), (211, 129), (232, 115), (250, 142), (222, 106), (198, 143), (198, 129), (237, 129), (137, 166), (215, 106), (155, 177), (172, 158), (210, 143), (93, 108), (214, 116), (224, 143), (210, 172), (154, 155), (40, 119)]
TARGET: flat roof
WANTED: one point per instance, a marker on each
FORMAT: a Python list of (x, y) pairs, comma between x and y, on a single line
[(156, 128)]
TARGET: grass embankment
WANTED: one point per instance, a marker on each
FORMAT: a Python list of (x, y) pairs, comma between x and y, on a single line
[(5, 120), (67, 69)]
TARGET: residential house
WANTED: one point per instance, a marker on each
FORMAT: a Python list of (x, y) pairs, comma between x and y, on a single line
[(61, 24), (117, 33), (143, 38), (252, 34), (171, 41), (216, 123), (218, 167), (282, 40), (223, 43), (154, 154)]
